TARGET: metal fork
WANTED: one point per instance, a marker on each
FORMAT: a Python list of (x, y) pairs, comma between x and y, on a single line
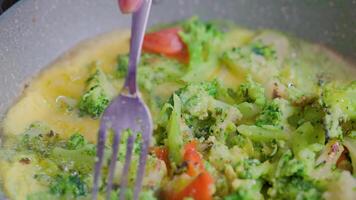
[(127, 111)]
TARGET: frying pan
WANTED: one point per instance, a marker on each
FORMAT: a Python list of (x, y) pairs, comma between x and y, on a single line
[(33, 33)]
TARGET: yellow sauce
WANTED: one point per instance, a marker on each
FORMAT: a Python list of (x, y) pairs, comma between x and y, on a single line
[(65, 77)]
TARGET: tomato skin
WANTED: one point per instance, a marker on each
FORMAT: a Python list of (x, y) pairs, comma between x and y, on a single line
[(166, 42), (193, 159), (162, 154), (182, 56), (198, 189), (199, 186)]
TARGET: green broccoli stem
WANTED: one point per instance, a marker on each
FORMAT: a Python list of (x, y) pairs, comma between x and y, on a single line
[(175, 140), (262, 134)]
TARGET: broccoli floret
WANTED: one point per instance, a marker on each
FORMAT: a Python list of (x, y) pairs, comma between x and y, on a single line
[(153, 70), (251, 92), (261, 49), (39, 139), (66, 164), (69, 185), (275, 113), (75, 153), (294, 188), (253, 169), (80, 160), (288, 166), (204, 113), (271, 115), (340, 103), (203, 40), (292, 180), (199, 37), (247, 189), (123, 144), (122, 65), (196, 98), (97, 95), (76, 141), (256, 59)]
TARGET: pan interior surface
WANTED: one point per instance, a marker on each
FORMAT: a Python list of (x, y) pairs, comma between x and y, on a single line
[(36, 32)]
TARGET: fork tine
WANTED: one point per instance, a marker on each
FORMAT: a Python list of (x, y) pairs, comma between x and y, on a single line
[(99, 157), (142, 163), (125, 171), (115, 148)]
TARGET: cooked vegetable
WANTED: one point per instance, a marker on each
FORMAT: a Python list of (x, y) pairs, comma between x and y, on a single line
[(122, 65), (154, 71), (203, 113), (175, 140), (305, 136), (257, 59), (294, 188), (247, 189), (68, 184), (340, 102), (166, 41), (271, 115), (202, 40), (238, 115), (76, 141), (66, 164), (262, 134), (97, 95), (39, 139), (199, 188), (193, 159), (251, 92)]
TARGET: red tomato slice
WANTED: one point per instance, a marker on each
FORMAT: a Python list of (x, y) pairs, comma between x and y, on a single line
[(193, 159), (166, 41), (198, 189), (161, 153), (182, 56)]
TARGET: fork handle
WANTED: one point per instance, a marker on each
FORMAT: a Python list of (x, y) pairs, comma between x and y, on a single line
[(138, 29)]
